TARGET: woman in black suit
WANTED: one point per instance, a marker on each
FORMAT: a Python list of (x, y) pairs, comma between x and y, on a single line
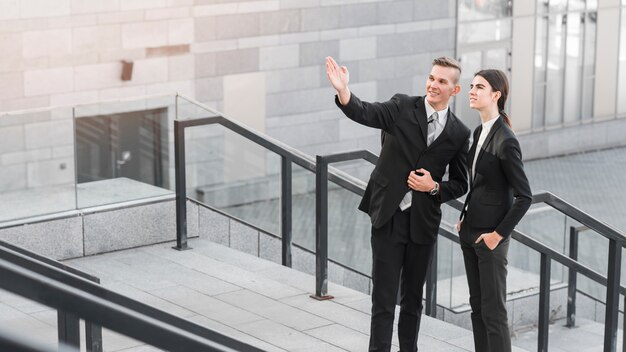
[(499, 197)]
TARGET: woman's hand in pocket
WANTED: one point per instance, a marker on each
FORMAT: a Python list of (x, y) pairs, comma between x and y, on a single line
[(491, 239)]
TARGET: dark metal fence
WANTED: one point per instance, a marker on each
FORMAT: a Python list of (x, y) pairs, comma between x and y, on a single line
[(52, 284), (320, 166)]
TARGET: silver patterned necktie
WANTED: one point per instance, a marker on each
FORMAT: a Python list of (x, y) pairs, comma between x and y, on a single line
[(432, 127)]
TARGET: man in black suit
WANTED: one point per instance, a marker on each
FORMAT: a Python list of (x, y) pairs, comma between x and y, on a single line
[(421, 138)]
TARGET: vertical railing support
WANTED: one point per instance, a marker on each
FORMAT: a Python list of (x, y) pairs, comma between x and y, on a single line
[(544, 303), (612, 296), (181, 184), (93, 336), (68, 327), (431, 286), (286, 210), (571, 285), (321, 229)]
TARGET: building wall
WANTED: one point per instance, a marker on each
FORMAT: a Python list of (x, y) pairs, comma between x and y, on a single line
[(62, 52)]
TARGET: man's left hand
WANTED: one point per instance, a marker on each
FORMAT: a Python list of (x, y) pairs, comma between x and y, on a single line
[(420, 180), (491, 239)]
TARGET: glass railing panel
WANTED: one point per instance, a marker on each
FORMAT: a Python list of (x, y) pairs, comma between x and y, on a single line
[(593, 252), (551, 228), (37, 176), (359, 169), (303, 207), (228, 172), (124, 150), (447, 295), (349, 230)]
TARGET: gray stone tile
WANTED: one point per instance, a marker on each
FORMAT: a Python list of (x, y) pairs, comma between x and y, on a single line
[(270, 248), (356, 281), (207, 306), (192, 219), (395, 12), (233, 256), (58, 239), (429, 10), (282, 80), (213, 226), (319, 18), (333, 311), (237, 61), (237, 26), (285, 337), (315, 53), (244, 238), (204, 29), (341, 336), (152, 300), (129, 227), (229, 331), (274, 310), (278, 22), (358, 15)]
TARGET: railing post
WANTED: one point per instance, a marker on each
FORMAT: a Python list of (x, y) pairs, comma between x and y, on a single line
[(544, 303), (93, 336), (181, 184), (286, 210), (321, 229), (68, 327), (571, 285), (431, 286), (612, 296)]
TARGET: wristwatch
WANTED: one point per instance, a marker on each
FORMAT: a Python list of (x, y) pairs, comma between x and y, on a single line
[(435, 190)]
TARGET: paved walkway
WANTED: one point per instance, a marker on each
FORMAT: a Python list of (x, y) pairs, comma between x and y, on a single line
[(254, 300)]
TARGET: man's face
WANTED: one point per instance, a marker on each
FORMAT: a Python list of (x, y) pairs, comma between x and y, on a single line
[(441, 85)]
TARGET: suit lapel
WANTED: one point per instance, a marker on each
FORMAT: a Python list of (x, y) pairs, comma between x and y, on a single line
[(420, 117), (489, 138), (472, 151)]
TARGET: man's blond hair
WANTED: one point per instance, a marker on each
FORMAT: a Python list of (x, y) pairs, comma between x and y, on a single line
[(445, 61)]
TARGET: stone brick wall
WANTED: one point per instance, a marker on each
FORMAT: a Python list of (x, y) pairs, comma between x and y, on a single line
[(60, 52)]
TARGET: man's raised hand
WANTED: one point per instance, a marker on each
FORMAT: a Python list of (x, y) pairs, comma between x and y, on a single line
[(338, 76)]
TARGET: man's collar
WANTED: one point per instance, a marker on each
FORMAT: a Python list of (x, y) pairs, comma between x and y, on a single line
[(430, 110)]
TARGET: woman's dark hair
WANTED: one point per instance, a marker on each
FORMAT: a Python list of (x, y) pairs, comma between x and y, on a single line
[(499, 83)]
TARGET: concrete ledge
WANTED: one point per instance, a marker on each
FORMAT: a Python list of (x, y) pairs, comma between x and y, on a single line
[(58, 239)]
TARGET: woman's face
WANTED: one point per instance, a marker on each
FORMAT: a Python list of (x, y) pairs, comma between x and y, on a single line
[(481, 95)]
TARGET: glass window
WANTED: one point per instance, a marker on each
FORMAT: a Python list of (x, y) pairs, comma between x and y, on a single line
[(573, 67), (540, 72), (542, 6), (473, 10), (621, 89), (576, 5), (556, 51), (589, 62), (486, 31), (558, 5)]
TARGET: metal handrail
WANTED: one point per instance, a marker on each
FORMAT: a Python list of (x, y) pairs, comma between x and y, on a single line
[(52, 293), (289, 155), (611, 282), (68, 327), (58, 275)]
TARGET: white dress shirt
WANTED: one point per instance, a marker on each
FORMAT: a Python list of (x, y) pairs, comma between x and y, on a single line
[(440, 123)]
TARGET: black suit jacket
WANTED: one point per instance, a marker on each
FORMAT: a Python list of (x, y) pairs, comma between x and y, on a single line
[(404, 120), (499, 192)]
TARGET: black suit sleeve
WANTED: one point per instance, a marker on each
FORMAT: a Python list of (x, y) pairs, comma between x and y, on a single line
[(456, 185), (377, 115), (513, 169)]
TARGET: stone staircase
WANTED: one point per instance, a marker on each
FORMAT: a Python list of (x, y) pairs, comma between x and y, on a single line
[(252, 299)]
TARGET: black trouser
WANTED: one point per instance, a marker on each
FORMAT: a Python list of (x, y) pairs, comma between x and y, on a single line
[(486, 276), (397, 260)]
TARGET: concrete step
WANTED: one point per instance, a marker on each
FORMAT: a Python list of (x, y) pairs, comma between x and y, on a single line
[(586, 336), (254, 300)]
